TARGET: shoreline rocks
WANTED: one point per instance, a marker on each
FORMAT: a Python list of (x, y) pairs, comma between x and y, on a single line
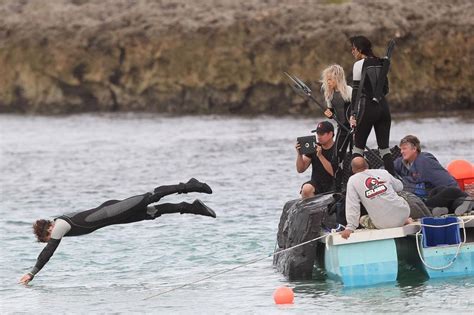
[(178, 57)]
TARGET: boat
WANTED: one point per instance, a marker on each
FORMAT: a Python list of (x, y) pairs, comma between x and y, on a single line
[(446, 246), (433, 246)]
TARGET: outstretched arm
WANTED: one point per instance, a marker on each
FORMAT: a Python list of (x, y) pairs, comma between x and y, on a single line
[(60, 229), (356, 78), (43, 258)]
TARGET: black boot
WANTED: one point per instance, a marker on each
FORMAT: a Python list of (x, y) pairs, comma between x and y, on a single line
[(193, 185), (199, 208)]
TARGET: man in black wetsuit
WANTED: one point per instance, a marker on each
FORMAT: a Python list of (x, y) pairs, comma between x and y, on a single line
[(133, 209)]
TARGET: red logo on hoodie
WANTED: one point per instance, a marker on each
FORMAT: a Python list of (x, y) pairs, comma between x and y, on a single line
[(375, 187)]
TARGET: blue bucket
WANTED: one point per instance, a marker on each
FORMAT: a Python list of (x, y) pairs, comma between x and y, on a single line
[(438, 236)]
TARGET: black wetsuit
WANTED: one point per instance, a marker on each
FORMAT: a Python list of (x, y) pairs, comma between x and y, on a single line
[(368, 112), (340, 109), (111, 212)]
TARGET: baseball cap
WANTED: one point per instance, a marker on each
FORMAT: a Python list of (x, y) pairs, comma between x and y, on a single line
[(323, 127)]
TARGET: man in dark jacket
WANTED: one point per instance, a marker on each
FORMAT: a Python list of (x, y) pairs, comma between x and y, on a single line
[(424, 176)]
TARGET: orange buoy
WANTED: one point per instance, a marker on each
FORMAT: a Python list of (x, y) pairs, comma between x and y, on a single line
[(283, 295), (462, 171)]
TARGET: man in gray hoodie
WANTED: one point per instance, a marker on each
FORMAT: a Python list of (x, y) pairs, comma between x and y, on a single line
[(377, 190)]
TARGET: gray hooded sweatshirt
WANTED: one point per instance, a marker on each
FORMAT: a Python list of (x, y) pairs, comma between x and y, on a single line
[(377, 190)]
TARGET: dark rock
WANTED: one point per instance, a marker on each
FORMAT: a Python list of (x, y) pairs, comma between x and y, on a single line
[(301, 221)]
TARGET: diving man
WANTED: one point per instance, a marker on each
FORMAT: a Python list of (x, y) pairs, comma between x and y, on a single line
[(111, 212)]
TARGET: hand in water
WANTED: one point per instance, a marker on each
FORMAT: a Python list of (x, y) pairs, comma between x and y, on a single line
[(26, 278)]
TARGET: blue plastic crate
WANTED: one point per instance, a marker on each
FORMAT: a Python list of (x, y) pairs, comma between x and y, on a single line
[(438, 236)]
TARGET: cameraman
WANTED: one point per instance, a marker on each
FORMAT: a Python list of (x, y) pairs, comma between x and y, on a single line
[(322, 176)]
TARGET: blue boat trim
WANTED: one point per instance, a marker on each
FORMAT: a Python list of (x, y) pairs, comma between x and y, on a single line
[(371, 257)]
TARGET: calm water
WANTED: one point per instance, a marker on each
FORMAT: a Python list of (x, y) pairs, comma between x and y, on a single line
[(51, 165)]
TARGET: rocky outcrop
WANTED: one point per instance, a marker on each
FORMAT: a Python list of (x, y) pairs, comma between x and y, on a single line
[(176, 56), (301, 221)]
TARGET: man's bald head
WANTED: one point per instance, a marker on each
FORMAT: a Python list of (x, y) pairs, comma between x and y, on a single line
[(359, 164)]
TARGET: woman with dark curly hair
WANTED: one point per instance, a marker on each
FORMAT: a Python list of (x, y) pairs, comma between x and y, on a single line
[(111, 212), (367, 111)]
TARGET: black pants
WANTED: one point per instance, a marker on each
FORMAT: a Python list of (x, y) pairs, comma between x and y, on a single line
[(449, 197), (343, 140), (342, 143), (139, 212), (377, 116)]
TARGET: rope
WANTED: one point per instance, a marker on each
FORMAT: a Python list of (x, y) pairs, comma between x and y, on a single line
[(333, 231), (439, 226), (420, 239), (236, 267)]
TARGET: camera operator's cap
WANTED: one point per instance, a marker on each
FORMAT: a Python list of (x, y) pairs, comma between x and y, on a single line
[(323, 127)]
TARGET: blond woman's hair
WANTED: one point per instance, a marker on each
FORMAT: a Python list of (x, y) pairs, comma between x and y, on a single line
[(337, 73)]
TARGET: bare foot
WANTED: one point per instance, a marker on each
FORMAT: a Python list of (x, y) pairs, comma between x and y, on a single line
[(409, 221)]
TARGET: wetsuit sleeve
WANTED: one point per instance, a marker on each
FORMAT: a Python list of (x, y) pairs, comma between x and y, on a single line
[(329, 104), (45, 255), (349, 88), (385, 87), (347, 106), (61, 227), (356, 77), (357, 70), (355, 87)]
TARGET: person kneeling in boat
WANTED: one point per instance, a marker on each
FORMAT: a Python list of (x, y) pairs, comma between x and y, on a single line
[(377, 190), (111, 212), (322, 161), (424, 176)]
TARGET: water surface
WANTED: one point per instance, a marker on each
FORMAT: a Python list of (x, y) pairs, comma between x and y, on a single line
[(51, 165)]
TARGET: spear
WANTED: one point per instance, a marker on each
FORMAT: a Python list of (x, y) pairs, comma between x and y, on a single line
[(300, 88)]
